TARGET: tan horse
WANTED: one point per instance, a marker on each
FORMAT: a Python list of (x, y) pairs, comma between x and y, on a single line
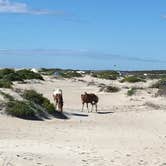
[(89, 98), (58, 102)]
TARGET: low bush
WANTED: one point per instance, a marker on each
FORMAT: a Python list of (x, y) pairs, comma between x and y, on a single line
[(5, 84), (109, 89), (38, 98), (20, 109), (132, 79), (27, 74), (4, 72), (20, 75), (69, 74), (7, 96), (12, 77), (131, 91), (110, 75)]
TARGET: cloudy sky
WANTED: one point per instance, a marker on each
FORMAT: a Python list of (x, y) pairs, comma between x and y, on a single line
[(83, 34)]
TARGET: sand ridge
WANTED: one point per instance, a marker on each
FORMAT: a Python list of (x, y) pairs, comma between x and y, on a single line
[(126, 131)]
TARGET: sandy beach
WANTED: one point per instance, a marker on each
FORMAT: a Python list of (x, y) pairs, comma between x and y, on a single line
[(126, 131)]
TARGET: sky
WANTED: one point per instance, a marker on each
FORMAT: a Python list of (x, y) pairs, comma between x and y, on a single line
[(83, 34)]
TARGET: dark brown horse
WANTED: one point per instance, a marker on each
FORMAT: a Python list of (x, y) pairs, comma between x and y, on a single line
[(89, 98), (58, 98)]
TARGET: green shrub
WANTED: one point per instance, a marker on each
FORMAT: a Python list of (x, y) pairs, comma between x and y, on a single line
[(131, 91), (27, 74), (69, 74), (4, 72), (33, 96), (132, 79), (109, 89), (20, 109), (48, 106), (37, 98), (110, 75), (12, 77), (5, 84), (7, 96)]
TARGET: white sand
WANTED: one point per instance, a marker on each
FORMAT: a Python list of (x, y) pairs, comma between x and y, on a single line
[(125, 132)]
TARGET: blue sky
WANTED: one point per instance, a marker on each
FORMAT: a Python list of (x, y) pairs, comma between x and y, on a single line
[(83, 34)]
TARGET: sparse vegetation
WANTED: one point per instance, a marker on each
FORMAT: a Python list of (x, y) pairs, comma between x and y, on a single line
[(20, 75), (132, 79), (109, 89), (27, 74), (7, 96), (69, 74), (20, 109), (5, 84), (110, 75), (131, 92), (38, 99)]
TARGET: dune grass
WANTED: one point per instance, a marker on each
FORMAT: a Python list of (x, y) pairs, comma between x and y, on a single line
[(20, 109), (132, 79), (109, 75), (131, 92), (109, 89), (39, 99), (20, 75), (5, 84)]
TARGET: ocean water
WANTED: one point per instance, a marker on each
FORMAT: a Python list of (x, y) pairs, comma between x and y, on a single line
[(98, 62)]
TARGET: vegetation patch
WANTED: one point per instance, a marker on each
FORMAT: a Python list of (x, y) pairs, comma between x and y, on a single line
[(27, 74), (109, 75), (5, 84), (131, 92), (20, 109), (132, 79), (69, 74), (7, 96), (20, 75), (39, 99), (109, 89)]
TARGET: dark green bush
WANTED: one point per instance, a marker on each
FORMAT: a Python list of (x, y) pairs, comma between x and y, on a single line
[(4, 72), (69, 74), (132, 79), (12, 77), (110, 75), (20, 109), (7, 96), (5, 84), (131, 91), (109, 89), (37, 98), (27, 74)]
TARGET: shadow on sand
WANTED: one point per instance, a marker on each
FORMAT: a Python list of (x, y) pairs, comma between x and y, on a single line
[(69, 114), (108, 112), (60, 115)]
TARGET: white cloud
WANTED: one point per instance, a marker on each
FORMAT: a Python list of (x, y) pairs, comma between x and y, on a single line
[(6, 6)]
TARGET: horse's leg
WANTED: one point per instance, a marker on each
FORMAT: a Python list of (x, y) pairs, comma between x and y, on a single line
[(92, 107), (55, 104), (87, 107), (61, 108), (82, 106), (96, 107)]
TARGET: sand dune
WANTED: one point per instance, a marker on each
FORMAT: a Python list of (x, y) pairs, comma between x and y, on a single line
[(127, 131)]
